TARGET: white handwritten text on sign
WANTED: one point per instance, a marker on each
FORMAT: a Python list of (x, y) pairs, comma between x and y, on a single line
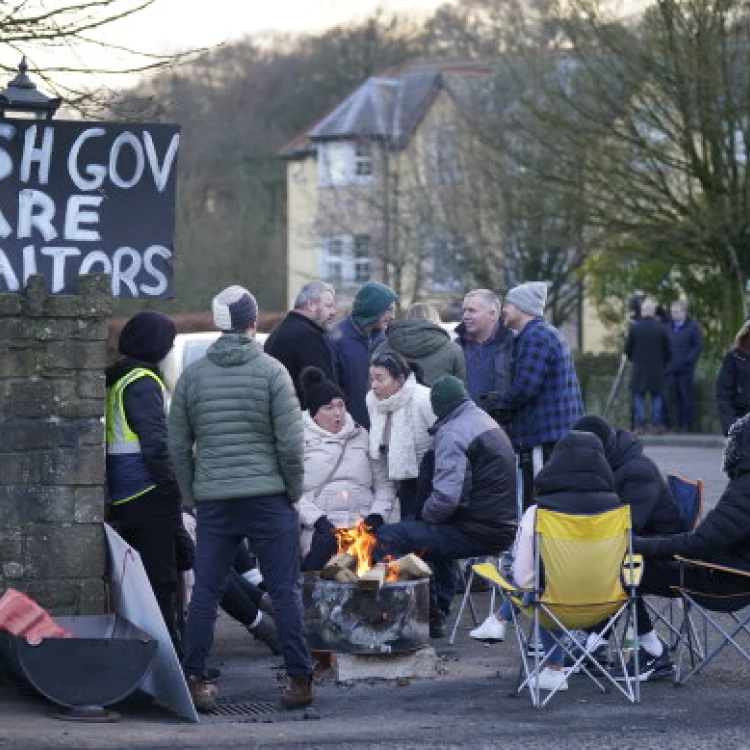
[(78, 198)]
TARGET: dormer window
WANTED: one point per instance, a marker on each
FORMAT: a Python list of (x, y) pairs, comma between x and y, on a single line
[(342, 163)]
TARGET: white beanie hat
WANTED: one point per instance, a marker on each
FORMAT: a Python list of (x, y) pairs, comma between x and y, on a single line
[(234, 309), (529, 297)]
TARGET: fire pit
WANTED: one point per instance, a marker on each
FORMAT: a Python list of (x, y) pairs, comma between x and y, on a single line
[(355, 607), (345, 618)]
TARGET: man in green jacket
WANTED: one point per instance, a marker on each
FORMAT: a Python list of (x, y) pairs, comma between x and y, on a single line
[(236, 442)]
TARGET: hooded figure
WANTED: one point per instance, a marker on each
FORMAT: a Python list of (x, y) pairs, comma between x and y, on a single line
[(723, 537), (143, 496), (638, 481)]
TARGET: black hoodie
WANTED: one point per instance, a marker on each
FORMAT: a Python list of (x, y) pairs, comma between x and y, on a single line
[(723, 537)]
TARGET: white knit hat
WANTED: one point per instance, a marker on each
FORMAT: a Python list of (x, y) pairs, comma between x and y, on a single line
[(529, 297), (234, 309)]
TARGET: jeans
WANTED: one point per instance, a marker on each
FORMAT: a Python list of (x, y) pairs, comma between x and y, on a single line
[(272, 527), (657, 410), (549, 644), (440, 543)]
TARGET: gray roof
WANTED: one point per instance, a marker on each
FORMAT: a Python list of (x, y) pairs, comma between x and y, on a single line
[(387, 108)]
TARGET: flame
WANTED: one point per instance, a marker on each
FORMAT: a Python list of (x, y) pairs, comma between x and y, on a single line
[(359, 542), (391, 570)]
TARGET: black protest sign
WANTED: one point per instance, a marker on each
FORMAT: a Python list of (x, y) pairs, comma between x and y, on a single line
[(88, 197)]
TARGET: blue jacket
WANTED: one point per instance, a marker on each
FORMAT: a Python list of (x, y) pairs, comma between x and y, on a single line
[(687, 345), (352, 348), (544, 399), (488, 365)]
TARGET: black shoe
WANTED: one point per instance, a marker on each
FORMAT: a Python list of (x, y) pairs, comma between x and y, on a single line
[(212, 675), (650, 667), (437, 626)]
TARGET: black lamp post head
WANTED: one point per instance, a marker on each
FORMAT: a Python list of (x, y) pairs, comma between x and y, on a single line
[(22, 98)]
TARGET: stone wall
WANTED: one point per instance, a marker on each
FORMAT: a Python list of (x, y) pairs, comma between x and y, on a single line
[(52, 469)]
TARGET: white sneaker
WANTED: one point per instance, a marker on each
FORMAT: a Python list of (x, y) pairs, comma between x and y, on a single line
[(491, 630), (552, 679)]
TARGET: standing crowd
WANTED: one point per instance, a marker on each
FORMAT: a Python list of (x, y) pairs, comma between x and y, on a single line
[(441, 445)]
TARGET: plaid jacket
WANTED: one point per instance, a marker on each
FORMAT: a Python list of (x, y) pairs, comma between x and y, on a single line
[(545, 398)]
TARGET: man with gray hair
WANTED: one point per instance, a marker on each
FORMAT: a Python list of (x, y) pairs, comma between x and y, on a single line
[(687, 345), (300, 340), (237, 446), (487, 344)]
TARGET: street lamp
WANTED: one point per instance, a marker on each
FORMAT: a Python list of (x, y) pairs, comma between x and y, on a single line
[(21, 99)]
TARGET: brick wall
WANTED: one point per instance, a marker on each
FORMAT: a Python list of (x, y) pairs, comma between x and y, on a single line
[(52, 397)]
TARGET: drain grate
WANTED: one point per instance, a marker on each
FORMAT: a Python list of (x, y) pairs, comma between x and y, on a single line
[(253, 711)]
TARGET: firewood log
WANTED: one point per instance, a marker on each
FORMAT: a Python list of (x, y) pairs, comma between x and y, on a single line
[(411, 567), (346, 576), (373, 579), (342, 561)]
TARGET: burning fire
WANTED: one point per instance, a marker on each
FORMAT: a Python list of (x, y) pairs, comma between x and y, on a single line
[(359, 542)]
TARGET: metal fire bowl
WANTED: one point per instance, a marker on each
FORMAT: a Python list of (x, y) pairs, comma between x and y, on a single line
[(342, 617)]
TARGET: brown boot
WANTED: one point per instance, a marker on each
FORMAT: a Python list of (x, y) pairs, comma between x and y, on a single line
[(299, 693), (203, 693)]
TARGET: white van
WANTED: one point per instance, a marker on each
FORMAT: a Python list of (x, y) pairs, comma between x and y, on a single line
[(188, 347)]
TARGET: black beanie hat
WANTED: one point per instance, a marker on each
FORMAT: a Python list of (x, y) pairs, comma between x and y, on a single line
[(147, 336), (317, 389), (446, 394), (600, 428)]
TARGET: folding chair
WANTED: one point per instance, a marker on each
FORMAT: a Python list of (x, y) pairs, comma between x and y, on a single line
[(588, 575), (468, 575), (688, 494), (707, 605)]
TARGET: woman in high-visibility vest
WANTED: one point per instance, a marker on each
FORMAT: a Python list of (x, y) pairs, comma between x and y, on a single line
[(144, 498)]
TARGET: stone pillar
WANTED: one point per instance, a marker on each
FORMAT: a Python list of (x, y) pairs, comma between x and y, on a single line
[(52, 468)]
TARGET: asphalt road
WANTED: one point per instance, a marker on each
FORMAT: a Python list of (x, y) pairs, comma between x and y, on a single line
[(469, 704)]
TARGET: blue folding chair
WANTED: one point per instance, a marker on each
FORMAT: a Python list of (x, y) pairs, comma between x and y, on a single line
[(688, 494)]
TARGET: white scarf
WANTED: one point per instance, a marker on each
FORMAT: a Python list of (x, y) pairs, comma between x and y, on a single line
[(402, 453)]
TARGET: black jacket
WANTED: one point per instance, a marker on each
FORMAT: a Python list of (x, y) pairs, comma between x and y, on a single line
[(733, 388), (143, 402), (649, 348), (723, 537), (640, 484), (298, 342), (577, 478), (687, 345)]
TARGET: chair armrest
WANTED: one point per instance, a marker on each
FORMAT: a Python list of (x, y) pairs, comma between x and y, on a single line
[(632, 570), (712, 566), (489, 572)]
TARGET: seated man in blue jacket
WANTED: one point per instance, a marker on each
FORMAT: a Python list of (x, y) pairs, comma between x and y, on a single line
[(471, 509)]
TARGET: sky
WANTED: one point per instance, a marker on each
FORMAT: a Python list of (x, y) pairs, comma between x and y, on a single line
[(169, 25)]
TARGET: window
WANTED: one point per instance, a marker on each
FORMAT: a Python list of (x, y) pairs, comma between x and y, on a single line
[(448, 256), (363, 159), (443, 154), (343, 163), (362, 249), (345, 260)]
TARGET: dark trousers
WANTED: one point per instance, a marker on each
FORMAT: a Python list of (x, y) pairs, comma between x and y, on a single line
[(441, 544), (148, 524), (408, 502), (659, 576), (241, 599), (272, 527), (682, 392)]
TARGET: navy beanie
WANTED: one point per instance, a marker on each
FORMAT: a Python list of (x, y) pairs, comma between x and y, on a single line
[(372, 300), (147, 336)]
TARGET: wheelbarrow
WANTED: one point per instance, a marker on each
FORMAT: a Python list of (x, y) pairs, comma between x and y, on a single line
[(103, 662)]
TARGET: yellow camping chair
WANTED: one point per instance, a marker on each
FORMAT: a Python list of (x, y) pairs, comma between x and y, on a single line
[(586, 574)]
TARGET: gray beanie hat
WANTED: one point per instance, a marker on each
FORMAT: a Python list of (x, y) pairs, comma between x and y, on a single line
[(529, 297), (234, 309)]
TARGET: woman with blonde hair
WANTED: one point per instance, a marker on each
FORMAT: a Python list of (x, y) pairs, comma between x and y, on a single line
[(421, 339), (400, 419)]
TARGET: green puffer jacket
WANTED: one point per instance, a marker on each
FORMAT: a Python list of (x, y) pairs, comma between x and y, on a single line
[(235, 425)]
